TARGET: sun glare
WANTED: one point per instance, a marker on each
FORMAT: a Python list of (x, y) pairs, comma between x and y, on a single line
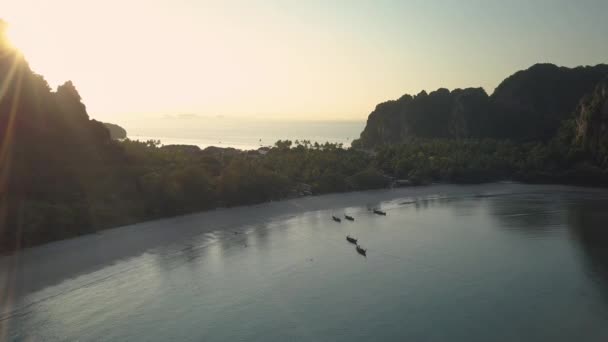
[(38, 49), (9, 37), (16, 39)]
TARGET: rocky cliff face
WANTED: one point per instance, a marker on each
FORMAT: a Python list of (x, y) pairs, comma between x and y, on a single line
[(591, 129), (529, 105), (440, 114), (533, 103)]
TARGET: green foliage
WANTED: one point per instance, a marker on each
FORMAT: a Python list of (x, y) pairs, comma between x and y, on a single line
[(247, 181), (368, 179), (474, 161)]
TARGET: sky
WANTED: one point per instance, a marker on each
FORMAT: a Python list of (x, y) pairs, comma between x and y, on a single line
[(315, 59)]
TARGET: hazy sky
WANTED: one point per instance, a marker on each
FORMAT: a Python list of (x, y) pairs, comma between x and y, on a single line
[(307, 59)]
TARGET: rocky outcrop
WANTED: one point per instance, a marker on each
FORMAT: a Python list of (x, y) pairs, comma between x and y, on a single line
[(440, 114), (527, 106), (591, 129), (531, 104), (116, 132)]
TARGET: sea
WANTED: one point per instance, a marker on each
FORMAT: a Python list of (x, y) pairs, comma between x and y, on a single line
[(242, 133)]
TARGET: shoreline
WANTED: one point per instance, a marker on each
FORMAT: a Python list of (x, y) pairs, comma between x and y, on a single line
[(38, 267), (101, 230)]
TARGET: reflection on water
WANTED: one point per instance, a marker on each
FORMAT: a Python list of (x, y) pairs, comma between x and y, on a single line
[(531, 214), (588, 222), (479, 263)]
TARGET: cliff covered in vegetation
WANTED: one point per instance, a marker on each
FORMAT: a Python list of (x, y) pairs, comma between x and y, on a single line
[(591, 124), (529, 105)]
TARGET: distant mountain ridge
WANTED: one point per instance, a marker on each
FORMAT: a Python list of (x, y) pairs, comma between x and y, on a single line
[(529, 105)]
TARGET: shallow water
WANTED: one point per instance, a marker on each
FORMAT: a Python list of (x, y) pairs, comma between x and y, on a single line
[(498, 262)]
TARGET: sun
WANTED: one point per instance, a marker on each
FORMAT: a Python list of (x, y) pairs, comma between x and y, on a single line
[(11, 36), (5, 37), (7, 40), (28, 42)]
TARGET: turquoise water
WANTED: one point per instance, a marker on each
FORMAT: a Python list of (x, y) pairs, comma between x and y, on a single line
[(500, 262)]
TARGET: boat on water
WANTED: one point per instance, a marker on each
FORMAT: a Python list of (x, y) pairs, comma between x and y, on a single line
[(350, 218), (337, 219), (361, 251), (351, 239), (379, 212)]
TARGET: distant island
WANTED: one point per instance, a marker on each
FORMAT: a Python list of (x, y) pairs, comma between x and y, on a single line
[(64, 174)]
